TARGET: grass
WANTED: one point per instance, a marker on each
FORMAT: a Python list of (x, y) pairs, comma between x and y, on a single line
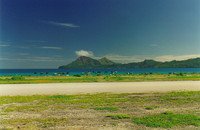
[(39, 122), (49, 122), (168, 113), (24, 108), (150, 108), (119, 116), (97, 78), (104, 99), (4, 113), (5, 128), (181, 97), (107, 108), (168, 120), (19, 99), (85, 110), (61, 96)]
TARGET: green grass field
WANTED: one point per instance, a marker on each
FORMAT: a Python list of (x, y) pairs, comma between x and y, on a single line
[(172, 110), (101, 78)]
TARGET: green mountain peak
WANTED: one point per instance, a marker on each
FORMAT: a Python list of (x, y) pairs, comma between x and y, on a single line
[(105, 61)]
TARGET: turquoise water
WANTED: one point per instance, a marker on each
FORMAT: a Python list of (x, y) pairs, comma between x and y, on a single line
[(55, 72)]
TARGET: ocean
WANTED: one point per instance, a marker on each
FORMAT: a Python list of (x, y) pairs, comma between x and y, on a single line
[(55, 72)]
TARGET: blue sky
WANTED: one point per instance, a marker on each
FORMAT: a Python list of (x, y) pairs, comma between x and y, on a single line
[(50, 33)]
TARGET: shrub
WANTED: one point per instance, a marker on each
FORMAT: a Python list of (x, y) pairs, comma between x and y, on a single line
[(88, 74), (77, 75), (180, 74), (168, 113), (150, 108), (18, 78)]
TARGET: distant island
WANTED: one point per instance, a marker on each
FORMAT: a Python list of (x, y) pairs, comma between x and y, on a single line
[(84, 62)]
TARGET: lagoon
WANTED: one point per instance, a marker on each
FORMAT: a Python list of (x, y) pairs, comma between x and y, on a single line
[(51, 72)]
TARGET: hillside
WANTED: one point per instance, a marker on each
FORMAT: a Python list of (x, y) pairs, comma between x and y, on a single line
[(84, 62), (105, 61)]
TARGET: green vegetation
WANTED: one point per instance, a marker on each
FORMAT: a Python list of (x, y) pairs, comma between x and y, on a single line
[(19, 99), (181, 97), (180, 74), (17, 78), (77, 75), (168, 113), (62, 96), (60, 111), (24, 108), (98, 78), (107, 108), (168, 120), (119, 116), (150, 108), (5, 128)]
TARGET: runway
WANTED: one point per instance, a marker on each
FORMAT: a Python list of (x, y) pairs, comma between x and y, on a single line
[(100, 87)]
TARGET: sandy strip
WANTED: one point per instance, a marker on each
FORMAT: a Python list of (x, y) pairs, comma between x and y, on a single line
[(110, 87)]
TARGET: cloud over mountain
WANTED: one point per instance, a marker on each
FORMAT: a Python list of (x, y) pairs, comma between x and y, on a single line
[(84, 53)]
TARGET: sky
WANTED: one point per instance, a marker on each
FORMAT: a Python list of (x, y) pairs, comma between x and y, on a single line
[(51, 33)]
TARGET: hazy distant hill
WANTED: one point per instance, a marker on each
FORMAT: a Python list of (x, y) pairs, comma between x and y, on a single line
[(190, 63), (84, 62)]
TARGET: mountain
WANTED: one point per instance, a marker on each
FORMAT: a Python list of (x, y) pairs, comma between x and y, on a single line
[(143, 64), (84, 62), (190, 63), (87, 62), (105, 61)]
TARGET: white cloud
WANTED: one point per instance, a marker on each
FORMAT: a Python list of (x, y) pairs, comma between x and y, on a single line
[(2, 58), (124, 59), (4, 45), (33, 59), (84, 53), (44, 59), (139, 58), (51, 47), (171, 57), (70, 25)]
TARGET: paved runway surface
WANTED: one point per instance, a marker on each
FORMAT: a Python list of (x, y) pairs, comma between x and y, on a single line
[(110, 87)]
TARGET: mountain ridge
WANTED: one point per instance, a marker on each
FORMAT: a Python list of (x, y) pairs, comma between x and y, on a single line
[(106, 61), (84, 62)]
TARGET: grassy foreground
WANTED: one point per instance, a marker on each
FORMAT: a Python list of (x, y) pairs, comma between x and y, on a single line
[(98, 78), (173, 110)]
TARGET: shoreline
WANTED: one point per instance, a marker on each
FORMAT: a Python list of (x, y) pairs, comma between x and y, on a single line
[(100, 87)]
